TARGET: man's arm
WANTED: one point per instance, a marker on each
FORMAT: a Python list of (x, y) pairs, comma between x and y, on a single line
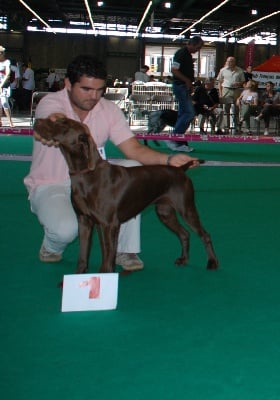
[(134, 150)]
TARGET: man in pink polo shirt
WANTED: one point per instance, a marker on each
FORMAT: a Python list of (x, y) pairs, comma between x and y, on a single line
[(48, 181)]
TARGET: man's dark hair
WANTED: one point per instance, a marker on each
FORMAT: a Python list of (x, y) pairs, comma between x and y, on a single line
[(85, 65), (196, 41)]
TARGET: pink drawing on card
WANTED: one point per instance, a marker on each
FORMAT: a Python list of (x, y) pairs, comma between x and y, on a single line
[(94, 287)]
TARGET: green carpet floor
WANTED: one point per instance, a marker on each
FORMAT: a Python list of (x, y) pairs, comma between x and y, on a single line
[(178, 333)]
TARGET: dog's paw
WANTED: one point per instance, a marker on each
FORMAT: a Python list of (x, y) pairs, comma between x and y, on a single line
[(181, 261), (212, 264)]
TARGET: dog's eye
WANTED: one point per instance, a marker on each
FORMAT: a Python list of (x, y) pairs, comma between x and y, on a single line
[(83, 137)]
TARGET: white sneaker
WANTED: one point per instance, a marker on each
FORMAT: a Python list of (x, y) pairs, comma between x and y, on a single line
[(129, 261), (266, 132), (171, 145), (47, 256), (257, 118), (177, 147), (185, 148)]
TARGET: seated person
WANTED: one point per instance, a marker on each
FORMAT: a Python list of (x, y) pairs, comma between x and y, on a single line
[(270, 101), (206, 100), (247, 103)]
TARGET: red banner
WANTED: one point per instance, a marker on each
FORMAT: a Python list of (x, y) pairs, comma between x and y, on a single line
[(249, 54)]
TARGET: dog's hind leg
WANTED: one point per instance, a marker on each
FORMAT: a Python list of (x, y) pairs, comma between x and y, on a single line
[(168, 216), (192, 219)]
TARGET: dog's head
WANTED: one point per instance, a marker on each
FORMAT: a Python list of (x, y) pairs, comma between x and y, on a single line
[(72, 137)]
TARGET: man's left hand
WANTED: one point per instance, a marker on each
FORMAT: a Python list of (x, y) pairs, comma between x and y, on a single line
[(177, 160)]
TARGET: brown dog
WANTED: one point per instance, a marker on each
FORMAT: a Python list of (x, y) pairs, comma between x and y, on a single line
[(107, 195)]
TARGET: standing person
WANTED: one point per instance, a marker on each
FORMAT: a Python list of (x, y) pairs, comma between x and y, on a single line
[(142, 75), (5, 71), (247, 103), (248, 73), (183, 78), (14, 81), (48, 182), (28, 85), (52, 81), (270, 102), (231, 79)]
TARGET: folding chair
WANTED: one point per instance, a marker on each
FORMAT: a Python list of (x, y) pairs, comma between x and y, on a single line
[(36, 97)]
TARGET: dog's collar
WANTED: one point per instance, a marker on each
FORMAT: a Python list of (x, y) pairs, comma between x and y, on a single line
[(82, 171)]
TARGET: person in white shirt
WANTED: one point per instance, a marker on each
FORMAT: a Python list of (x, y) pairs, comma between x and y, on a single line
[(14, 82), (52, 81), (247, 103), (141, 76), (231, 79), (5, 71)]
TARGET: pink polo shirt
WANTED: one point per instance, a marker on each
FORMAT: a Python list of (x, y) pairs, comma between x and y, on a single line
[(105, 121)]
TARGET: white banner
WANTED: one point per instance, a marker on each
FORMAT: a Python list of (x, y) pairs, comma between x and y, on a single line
[(263, 77)]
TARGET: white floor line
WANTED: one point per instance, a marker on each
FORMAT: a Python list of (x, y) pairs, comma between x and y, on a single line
[(210, 163)]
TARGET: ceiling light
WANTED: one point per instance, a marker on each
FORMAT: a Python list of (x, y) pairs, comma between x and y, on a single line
[(90, 16), (143, 18), (35, 14), (203, 17), (253, 23)]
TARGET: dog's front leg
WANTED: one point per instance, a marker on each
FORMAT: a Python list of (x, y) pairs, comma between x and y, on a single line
[(108, 236), (86, 226)]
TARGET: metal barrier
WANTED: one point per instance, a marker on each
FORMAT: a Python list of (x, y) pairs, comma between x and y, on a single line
[(36, 97)]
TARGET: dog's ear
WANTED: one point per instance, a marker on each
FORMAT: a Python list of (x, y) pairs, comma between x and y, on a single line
[(92, 152), (57, 116)]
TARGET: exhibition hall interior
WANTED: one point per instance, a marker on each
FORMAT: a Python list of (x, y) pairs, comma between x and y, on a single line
[(192, 88)]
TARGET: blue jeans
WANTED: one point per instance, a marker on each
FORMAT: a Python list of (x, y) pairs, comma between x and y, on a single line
[(186, 112)]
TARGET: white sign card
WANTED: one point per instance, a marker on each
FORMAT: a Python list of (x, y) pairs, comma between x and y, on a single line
[(90, 292)]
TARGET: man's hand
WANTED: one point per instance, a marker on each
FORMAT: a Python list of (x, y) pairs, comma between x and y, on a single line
[(53, 117), (177, 160), (45, 141)]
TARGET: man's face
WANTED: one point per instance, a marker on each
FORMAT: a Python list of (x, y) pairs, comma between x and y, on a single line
[(86, 93), (231, 62)]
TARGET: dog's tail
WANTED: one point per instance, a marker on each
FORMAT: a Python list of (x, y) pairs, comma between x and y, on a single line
[(190, 163)]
